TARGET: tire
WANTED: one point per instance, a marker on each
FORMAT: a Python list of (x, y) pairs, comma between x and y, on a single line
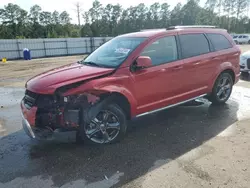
[(216, 97), (116, 114), (236, 42)]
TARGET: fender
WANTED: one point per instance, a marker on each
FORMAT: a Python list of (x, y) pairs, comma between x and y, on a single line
[(96, 87), (222, 67)]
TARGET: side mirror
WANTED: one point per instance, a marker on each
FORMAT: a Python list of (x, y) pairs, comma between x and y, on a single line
[(143, 62)]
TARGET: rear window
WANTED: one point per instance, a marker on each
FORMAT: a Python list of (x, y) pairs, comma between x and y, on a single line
[(193, 45), (220, 42)]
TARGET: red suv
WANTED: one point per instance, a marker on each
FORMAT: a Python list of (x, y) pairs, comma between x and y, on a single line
[(130, 76)]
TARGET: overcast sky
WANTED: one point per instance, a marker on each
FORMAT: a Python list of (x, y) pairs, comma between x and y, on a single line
[(68, 5)]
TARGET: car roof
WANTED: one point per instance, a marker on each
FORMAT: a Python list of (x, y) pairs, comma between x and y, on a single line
[(148, 33)]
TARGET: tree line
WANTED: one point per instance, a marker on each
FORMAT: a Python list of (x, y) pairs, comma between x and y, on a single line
[(112, 20)]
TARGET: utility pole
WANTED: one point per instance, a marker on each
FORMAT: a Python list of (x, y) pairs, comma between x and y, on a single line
[(78, 12)]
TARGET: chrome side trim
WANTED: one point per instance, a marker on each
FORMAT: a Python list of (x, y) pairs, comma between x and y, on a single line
[(170, 106), (27, 127)]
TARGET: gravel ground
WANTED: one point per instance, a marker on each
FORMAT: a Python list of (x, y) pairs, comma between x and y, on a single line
[(196, 145)]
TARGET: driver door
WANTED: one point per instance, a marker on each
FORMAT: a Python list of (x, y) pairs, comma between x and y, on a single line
[(155, 86)]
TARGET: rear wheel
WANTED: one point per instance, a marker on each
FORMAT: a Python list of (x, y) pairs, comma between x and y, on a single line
[(109, 126), (222, 89)]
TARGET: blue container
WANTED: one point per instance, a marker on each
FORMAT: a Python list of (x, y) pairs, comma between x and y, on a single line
[(26, 54)]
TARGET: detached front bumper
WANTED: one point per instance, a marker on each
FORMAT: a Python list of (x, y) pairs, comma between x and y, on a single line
[(46, 133), (28, 122), (28, 119), (27, 128)]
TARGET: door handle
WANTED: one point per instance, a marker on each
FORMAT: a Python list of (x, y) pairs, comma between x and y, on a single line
[(177, 67), (197, 63), (163, 70), (215, 58)]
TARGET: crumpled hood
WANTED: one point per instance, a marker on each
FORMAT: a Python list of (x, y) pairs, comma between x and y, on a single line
[(48, 82)]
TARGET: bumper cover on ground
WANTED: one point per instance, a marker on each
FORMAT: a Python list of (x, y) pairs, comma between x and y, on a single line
[(27, 128), (47, 134)]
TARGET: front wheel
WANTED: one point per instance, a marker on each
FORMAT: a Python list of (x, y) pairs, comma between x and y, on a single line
[(109, 126), (222, 89)]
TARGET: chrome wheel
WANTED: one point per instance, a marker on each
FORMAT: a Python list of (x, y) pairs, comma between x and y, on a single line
[(104, 128), (224, 88)]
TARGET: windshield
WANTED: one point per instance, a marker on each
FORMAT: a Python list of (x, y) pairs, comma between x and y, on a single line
[(114, 52)]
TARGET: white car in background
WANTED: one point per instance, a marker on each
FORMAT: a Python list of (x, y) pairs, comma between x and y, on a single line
[(245, 62), (242, 39)]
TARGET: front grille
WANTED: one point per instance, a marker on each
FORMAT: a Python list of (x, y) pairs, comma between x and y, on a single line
[(248, 63), (30, 99)]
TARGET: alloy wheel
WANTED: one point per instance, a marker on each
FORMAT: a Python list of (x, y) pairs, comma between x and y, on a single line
[(104, 128), (224, 88)]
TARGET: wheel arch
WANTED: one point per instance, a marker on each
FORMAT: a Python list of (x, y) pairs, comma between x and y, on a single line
[(122, 97), (121, 101), (229, 71), (224, 67)]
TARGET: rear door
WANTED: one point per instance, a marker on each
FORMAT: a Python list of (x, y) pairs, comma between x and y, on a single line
[(197, 57)]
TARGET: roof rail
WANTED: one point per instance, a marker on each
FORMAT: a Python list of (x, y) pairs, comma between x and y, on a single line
[(157, 29), (190, 26)]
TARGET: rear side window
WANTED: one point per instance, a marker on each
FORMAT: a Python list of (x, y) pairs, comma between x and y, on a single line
[(193, 45), (220, 42)]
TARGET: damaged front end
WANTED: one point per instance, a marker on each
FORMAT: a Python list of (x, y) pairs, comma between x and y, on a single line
[(47, 115)]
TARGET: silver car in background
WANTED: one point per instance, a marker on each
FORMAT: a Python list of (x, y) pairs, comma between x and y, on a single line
[(245, 62), (242, 39)]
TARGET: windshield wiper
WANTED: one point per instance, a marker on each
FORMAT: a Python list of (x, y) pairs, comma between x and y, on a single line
[(90, 63)]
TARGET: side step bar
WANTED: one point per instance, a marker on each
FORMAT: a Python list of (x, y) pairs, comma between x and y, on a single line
[(170, 106)]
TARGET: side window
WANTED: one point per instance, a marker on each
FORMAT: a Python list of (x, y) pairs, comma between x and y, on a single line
[(244, 37), (240, 37), (161, 51), (220, 42), (193, 45)]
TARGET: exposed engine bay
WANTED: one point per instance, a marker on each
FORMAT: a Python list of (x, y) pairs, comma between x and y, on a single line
[(59, 112)]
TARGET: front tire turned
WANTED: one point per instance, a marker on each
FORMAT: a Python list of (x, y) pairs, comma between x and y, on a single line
[(222, 89), (109, 126)]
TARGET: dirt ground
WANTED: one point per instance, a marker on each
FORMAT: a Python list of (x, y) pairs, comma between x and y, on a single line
[(190, 146), (15, 73)]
